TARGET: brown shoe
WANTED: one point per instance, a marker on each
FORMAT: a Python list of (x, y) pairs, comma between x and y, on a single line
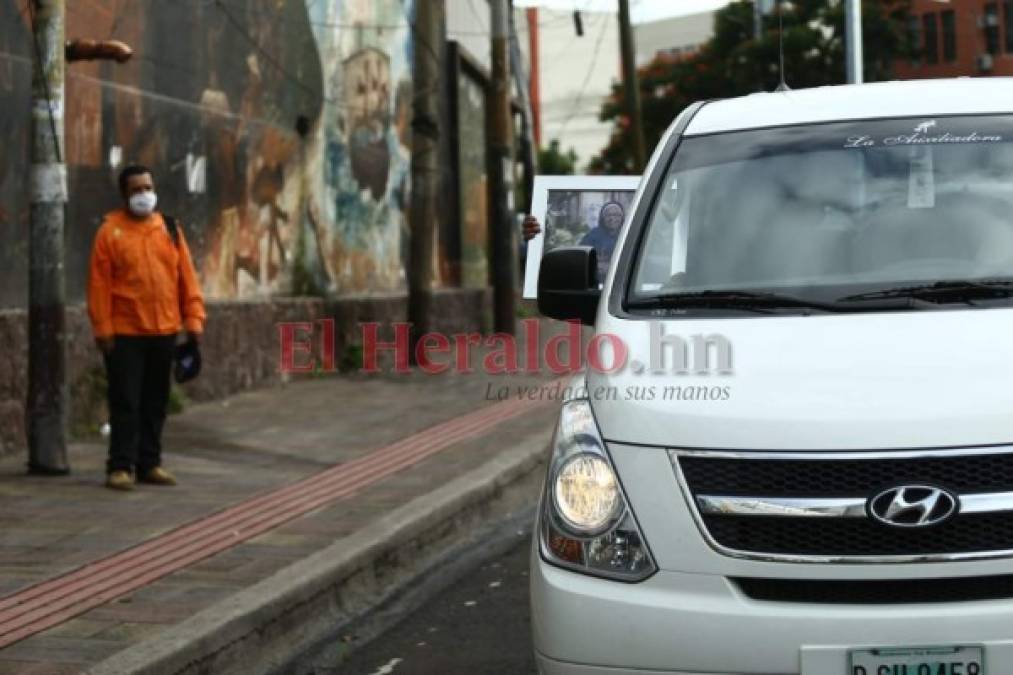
[(158, 476), (120, 480)]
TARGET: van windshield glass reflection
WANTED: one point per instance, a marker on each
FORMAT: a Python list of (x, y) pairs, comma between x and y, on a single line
[(830, 211)]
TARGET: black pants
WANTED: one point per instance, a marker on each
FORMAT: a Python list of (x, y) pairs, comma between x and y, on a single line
[(138, 371)]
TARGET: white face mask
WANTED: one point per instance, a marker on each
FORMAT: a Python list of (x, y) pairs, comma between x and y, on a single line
[(143, 203)]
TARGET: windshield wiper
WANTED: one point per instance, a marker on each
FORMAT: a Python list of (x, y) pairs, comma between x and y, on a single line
[(734, 299), (942, 291)]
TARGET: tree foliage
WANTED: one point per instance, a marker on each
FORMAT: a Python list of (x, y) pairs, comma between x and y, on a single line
[(554, 162), (734, 63)]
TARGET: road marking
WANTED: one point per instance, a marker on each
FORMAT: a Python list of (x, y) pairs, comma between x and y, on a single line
[(388, 668)]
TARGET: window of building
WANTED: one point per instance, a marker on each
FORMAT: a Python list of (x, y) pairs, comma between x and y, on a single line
[(949, 19), (991, 21), (914, 37), (1008, 16), (930, 30)]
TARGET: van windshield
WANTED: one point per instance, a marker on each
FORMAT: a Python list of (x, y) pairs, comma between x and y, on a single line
[(835, 213)]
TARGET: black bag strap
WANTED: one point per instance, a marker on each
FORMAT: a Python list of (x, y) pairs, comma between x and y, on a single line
[(172, 226)]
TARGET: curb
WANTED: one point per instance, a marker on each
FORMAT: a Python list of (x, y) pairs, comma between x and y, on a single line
[(260, 627)]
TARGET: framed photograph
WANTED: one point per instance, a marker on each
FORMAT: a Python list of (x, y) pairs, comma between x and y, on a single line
[(577, 211)]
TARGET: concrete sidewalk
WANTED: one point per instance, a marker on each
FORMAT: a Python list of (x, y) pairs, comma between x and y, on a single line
[(286, 494)]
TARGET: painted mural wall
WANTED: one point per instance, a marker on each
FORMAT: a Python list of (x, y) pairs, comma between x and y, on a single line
[(278, 131), (357, 236), (474, 180), (15, 108)]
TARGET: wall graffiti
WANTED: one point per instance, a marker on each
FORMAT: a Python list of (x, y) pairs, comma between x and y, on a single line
[(474, 207), (212, 102), (356, 225), (15, 92)]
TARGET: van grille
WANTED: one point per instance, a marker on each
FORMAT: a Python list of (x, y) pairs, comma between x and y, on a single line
[(860, 536), (878, 591), (844, 477), (790, 535)]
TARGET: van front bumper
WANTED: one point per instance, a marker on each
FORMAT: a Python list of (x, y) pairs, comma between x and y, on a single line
[(547, 666), (697, 623)]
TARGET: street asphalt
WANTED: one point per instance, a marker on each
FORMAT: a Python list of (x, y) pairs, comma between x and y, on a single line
[(481, 625)]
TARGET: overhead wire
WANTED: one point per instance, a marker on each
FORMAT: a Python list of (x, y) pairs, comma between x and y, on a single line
[(587, 77), (410, 26), (228, 9), (344, 25), (263, 52)]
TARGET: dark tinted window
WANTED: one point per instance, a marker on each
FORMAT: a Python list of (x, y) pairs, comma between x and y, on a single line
[(914, 36), (992, 28), (1008, 14), (931, 30), (949, 19)]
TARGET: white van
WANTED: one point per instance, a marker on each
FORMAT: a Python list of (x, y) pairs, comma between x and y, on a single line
[(805, 462)]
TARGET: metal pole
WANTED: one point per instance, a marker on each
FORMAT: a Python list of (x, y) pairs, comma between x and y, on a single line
[(523, 86), (425, 162), (536, 74), (47, 383), (500, 159), (757, 19), (631, 86), (853, 31)]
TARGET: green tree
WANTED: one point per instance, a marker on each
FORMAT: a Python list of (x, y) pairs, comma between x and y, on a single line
[(734, 63), (553, 161)]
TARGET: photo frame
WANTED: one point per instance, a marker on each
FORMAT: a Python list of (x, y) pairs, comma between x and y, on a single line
[(570, 211)]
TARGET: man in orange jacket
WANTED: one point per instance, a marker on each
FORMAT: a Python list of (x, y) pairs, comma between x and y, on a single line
[(142, 290)]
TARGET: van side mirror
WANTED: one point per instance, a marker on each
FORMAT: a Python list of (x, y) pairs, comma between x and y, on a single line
[(568, 284)]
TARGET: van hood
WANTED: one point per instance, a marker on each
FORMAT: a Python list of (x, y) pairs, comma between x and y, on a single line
[(839, 382)]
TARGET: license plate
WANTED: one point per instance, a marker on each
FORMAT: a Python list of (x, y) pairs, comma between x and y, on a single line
[(918, 661)]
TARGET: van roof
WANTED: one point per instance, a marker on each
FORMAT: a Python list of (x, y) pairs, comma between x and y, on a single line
[(910, 98)]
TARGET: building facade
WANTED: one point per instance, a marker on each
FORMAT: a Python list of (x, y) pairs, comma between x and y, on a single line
[(675, 37), (959, 38)]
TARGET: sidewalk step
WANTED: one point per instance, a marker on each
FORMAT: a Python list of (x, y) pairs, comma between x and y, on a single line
[(52, 602)]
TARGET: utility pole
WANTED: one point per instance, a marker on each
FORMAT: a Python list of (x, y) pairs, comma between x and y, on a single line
[(631, 86), (47, 359), (47, 405), (504, 254), (526, 144), (853, 33), (425, 162), (535, 94)]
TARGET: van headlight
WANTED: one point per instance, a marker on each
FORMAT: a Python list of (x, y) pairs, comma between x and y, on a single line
[(585, 493), (586, 522)]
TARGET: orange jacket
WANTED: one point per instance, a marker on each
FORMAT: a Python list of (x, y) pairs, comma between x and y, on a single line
[(140, 282)]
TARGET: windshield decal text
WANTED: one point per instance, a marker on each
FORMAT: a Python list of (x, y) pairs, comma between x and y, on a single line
[(924, 134)]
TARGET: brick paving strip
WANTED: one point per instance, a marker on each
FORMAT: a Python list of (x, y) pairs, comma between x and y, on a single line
[(57, 600)]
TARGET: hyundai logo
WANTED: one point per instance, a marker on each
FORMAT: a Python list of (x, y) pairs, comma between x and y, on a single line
[(913, 506)]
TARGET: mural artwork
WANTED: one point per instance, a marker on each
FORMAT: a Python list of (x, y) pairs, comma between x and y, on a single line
[(278, 131), (474, 184), (358, 222), (15, 93)]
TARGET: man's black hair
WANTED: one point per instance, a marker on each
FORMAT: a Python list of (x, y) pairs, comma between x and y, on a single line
[(128, 171)]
